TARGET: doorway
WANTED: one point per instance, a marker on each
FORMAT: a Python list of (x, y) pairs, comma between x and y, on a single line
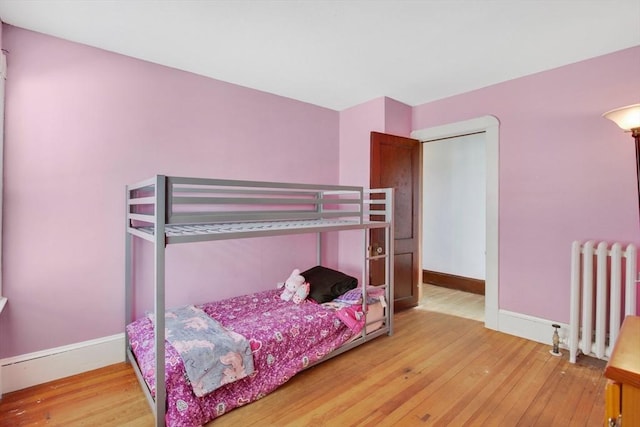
[(490, 126), (453, 207), (453, 225)]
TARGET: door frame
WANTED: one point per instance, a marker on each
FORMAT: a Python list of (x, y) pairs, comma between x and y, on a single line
[(490, 126)]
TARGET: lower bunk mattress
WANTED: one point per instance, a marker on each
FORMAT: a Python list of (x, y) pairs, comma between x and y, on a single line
[(284, 339)]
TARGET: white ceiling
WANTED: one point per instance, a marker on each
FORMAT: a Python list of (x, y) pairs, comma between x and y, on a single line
[(338, 54)]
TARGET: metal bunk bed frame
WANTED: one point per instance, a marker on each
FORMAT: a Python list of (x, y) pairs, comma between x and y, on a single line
[(166, 210)]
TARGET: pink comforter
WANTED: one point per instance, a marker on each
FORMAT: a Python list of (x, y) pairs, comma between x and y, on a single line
[(285, 338)]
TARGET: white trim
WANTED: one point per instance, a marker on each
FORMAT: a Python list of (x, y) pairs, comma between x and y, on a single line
[(490, 125), (531, 328), (43, 366), (479, 124), (3, 76)]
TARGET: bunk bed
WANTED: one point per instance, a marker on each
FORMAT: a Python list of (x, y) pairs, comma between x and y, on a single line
[(167, 210)]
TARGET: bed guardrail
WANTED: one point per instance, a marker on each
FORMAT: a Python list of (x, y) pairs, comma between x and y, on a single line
[(192, 202)]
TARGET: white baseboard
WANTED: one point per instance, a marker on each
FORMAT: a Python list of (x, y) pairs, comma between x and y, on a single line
[(531, 328), (36, 368)]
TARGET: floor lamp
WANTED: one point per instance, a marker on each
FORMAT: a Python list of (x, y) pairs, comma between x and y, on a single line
[(628, 119)]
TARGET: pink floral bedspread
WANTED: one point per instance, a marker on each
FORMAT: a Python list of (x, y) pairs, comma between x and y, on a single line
[(285, 338)]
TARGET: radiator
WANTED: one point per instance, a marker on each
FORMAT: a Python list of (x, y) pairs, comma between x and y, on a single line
[(602, 285)]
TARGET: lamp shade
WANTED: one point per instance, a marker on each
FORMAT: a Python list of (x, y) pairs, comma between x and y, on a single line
[(628, 118)]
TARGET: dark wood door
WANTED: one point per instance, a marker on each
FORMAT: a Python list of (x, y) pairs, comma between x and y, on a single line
[(395, 162)]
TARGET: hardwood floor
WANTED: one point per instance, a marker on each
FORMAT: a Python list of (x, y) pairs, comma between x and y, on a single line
[(436, 370), (453, 302), (109, 396)]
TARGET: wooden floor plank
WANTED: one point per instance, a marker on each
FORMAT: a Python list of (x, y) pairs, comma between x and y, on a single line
[(483, 395), (495, 364), (426, 371), (456, 378), (108, 396), (596, 416)]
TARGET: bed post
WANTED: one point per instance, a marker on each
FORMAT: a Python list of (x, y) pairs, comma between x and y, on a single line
[(366, 262), (128, 276), (390, 249), (366, 265), (319, 208), (159, 302)]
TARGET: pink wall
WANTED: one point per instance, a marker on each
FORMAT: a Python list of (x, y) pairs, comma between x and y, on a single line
[(397, 119), (356, 124), (80, 124), (565, 172)]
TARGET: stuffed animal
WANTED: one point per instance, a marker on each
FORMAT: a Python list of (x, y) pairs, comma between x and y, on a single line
[(301, 293), (294, 288)]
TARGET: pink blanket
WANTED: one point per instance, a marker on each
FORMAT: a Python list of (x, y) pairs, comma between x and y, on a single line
[(284, 337)]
